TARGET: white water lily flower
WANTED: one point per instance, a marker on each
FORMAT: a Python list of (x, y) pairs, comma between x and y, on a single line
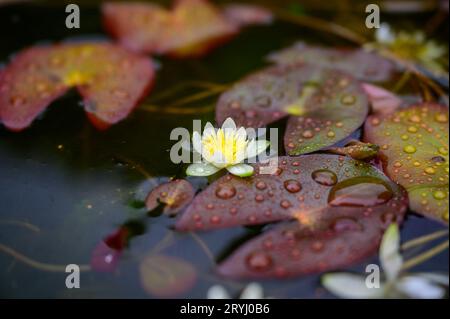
[(396, 284), (227, 148), (251, 291)]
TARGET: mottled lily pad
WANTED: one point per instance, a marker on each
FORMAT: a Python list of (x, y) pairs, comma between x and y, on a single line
[(166, 276), (191, 28), (325, 105), (110, 79), (362, 64), (414, 150), (174, 195), (306, 188)]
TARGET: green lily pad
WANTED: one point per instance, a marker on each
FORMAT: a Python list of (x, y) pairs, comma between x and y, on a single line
[(414, 149), (360, 63), (325, 105)]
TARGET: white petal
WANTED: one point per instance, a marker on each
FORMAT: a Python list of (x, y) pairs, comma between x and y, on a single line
[(217, 292), (346, 285), (419, 287), (241, 133), (217, 159), (242, 170), (253, 291), (197, 142), (229, 125), (201, 169), (257, 148), (208, 130), (390, 258), (384, 34), (437, 278)]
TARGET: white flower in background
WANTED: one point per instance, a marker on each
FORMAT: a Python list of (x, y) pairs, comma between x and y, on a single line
[(412, 47), (251, 291), (396, 284), (227, 148)]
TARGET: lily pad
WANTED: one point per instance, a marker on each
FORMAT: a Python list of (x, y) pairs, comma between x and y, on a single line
[(362, 64), (337, 239), (325, 105), (191, 28), (166, 276), (414, 150), (110, 79), (175, 195), (307, 188)]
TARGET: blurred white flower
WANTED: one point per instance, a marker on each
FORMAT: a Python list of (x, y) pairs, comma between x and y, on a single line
[(227, 148), (251, 291), (396, 284)]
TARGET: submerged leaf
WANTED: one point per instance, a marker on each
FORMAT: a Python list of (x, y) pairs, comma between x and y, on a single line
[(361, 64), (327, 105), (414, 150), (303, 188), (191, 28), (166, 276), (174, 195), (110, 79)]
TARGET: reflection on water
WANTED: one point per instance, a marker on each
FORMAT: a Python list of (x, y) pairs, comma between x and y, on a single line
[(65, 186)]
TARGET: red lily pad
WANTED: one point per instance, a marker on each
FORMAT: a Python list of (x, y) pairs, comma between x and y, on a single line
[(414, 151), (338, 239), (175, 195), (166, 276), (307, 188), (110, 79), (362, 64), (326, 105), (191, 28)]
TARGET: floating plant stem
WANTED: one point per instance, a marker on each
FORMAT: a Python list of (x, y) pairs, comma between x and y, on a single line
[(423, 239), (188, 84), (406, 76), (199, 96), (20, 223), (36, 264), (320, 25), (163, 244), (138, 167), (425, 256), (414, 70), (178, 110), (204, 247)]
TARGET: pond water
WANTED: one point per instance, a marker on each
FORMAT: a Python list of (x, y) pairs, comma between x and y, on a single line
[(64, 186)]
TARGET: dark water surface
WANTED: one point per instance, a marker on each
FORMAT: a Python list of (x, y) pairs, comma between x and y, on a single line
[(75, 184)]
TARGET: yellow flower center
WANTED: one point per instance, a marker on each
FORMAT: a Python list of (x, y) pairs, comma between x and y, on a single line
[(232, 145)]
